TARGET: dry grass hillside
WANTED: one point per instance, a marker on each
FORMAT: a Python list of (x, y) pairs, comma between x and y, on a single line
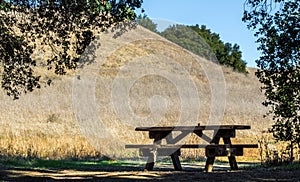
[(60, 121)]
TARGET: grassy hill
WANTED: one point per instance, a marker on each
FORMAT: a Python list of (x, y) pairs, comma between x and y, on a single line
[(46, 124)]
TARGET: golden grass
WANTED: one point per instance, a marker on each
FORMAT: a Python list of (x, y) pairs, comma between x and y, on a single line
[(43, 123), (38, 145)]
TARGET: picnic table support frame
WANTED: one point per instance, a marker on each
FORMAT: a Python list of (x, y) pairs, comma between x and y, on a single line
[(174, 156), (153, 154), (176, 162), (151, 160), (210, 160), (225, 135), (232, 163), (212, 150), (231, 159)]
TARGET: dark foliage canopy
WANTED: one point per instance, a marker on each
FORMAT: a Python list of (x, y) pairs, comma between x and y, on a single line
[(65, 27), (205, 43), (146, 22)]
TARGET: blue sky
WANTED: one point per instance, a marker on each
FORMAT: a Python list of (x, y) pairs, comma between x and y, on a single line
[(222, 17)]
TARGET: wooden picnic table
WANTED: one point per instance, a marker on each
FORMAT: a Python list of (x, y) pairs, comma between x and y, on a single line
[(173, 147)]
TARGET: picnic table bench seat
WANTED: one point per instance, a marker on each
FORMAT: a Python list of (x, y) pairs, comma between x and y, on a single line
[(211, 150)]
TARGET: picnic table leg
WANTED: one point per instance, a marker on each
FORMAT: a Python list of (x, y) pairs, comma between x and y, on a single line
[(176, 162), (209, 164), (151, 161), (153, 154), (233, 163), (174, 156), (232, 160), (210, 160)]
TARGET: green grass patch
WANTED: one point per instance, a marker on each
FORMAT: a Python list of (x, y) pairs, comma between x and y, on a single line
[(290, 167), (64, 164)]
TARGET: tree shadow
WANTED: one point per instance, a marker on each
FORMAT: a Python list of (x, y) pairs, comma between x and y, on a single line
[(136, 173)]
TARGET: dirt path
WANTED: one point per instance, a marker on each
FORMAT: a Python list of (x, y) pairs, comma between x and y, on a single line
[(135, 174)]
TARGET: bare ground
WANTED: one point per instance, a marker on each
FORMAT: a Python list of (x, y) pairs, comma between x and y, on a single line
[(125, 173)]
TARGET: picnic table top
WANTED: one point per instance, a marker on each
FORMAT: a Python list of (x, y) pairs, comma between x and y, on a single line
[(194, 128)]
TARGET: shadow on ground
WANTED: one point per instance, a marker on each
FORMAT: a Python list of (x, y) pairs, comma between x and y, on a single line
[(125, 173)]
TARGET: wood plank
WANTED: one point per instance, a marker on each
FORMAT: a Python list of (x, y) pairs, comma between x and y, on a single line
[(160, 151), (191, 146), (244, 146), (166, 146), (172, 146), (193, 128)]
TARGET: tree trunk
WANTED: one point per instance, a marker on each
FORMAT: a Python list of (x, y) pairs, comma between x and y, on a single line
[(292, 152)]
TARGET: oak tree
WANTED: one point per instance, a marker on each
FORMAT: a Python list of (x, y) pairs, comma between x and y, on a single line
[(277, 27), (60, 30)]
